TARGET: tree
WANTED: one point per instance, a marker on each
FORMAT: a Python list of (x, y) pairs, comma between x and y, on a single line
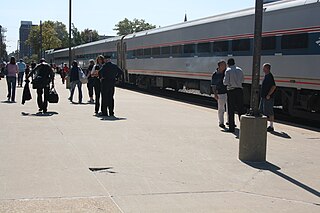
[(50, 38), (3, 46), (89, 36), (126, 26), (61, 31), (76, 36)]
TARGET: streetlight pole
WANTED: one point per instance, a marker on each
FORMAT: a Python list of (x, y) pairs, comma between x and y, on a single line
[(253, 127), (255, 99), (70, 54), (0, 44)]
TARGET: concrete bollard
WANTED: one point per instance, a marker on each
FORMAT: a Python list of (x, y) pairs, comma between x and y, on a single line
[(253, 139)]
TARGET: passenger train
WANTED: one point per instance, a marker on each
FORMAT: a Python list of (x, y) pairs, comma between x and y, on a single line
[(185, 55)]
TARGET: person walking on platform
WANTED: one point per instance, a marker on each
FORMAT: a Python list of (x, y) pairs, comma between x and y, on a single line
[(108, 74), (22, 68), (220, 91), (90, 81), (96, 82), (268, 89), (11, 76), (75, 81), (64, 73), (234, 79), (45, 76)]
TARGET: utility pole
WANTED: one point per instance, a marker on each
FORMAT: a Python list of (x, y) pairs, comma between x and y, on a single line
[(40, 55), (0, 44), (255, 98), (253, 127), (70, 53)]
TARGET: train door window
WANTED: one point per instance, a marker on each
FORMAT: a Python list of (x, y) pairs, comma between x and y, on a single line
[(204, 47), (189, 49), (177, 50), (147, 52), (297, 41), (165, 50), (156, 51), (269, 43), (220, 46), (241, 45), (139, 52)]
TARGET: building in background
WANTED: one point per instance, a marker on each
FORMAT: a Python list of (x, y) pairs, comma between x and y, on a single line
[(24, 31)]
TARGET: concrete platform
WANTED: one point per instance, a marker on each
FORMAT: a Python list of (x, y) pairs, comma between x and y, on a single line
[(159, 155)]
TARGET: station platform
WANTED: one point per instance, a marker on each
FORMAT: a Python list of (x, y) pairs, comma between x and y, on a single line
[(157, 155)]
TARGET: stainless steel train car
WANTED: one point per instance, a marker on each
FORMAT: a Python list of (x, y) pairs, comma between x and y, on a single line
[(185, 55)]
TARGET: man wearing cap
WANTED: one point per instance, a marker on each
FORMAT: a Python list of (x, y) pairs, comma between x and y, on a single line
[(108, 75)]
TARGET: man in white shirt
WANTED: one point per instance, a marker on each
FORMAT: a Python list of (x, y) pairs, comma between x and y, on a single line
[(22, 68), (233, 80)]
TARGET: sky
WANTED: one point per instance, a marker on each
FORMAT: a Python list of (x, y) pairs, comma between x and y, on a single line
[(103, 15)]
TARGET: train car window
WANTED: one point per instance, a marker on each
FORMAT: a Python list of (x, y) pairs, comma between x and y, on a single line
[(241, 45), (220, 46), (189, 48), (147, 52), (140, 52), (134, 53), (269, 43), (204, 47), (177, 49), (297, 41), (156, 51), (165, 50)]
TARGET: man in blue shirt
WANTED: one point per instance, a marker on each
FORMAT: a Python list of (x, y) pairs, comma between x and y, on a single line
[(220, 91), (22, 68), (267, 95)]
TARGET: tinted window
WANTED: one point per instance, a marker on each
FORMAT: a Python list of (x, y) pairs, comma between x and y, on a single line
[(241, 45), (156, 51), (177, 49), (298, 41), (269, 43), (189, 48), (220, 46), (147, 52), (140, 52), (165, 50), (204, 47)]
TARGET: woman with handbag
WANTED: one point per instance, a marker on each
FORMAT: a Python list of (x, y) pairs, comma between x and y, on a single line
[(74, 77)]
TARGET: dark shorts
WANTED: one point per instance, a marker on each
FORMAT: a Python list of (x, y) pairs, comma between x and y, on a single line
[(266, 106)]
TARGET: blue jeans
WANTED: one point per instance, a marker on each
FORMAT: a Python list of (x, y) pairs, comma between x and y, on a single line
[(20, 78), (11, 82), (73, 85)]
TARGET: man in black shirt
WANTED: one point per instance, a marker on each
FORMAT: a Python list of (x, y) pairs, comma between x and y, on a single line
[(267, 96), (44, 72), (108, 74)]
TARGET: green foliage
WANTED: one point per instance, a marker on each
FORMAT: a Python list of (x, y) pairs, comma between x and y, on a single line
[(3, 46), (126, 26), (89, 36)]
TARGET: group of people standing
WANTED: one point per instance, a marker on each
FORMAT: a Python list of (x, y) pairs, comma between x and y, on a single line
[(101, 75), (228, 91)]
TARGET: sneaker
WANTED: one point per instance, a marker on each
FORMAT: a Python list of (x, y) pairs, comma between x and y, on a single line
[(228, 124), (222, 126), (270, 129), (231, 130)]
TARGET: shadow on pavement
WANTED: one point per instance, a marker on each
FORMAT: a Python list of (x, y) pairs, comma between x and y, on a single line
[(112, 118), (235, 133), (276, 170), (281, 134), (39, 114), (8, 102)]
